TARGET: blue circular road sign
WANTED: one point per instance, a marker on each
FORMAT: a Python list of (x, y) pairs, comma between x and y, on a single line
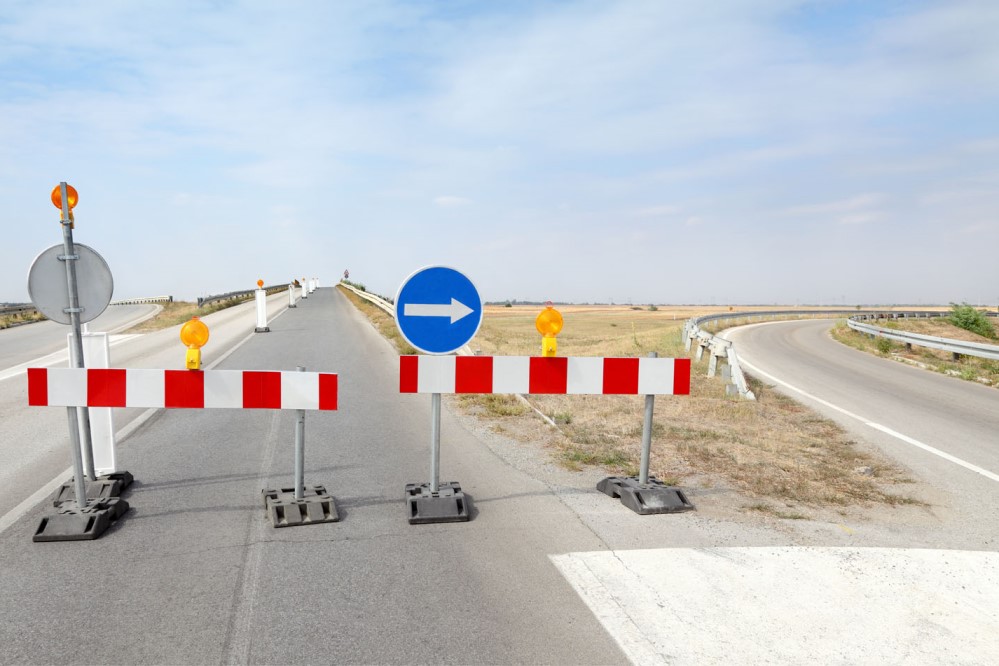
[(438, 310)]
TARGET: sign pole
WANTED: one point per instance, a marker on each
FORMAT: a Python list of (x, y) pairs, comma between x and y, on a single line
[(300, 451), (74, 315), (437, 310), (435, 442), (650, 402)]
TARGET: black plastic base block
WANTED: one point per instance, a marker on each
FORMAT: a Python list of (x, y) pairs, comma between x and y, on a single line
[(645, 498), (265, 329), (287, 494), (116, 506), (448, 505), (124, 478), (315, 507), (101, 489), (74, 524)]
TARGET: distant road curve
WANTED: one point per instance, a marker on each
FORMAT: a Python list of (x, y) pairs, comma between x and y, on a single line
[(944, 429), (22, 344)]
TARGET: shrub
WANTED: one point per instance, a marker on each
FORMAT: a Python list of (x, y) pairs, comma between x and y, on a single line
[(966, 317), (884, 345)]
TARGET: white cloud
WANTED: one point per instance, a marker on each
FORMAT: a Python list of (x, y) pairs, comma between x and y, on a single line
[(855, 203), (657, 211), (448, 201)]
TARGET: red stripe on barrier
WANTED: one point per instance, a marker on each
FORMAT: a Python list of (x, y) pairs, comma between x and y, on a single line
[(183, 389), (105, 387), (548, 375), (327, 391), (409, 372), (261, 390), (621, 376), (38, 387), (681, 376), (473, 374)]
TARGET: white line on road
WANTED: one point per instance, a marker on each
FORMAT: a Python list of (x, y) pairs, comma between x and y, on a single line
[(60, 356), (877, 426)]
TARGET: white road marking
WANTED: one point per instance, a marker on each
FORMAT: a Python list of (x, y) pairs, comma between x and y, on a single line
[(793, 605), (877, 426), (60, 356)]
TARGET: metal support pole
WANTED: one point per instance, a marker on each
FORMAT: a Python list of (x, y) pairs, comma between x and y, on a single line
[(77, 348), (650, 403), (300, 451), (435, 442), (83, 416)]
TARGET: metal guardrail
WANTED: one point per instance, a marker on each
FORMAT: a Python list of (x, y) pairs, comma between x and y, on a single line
[(236, 294), (17, 309), (377, 300), (141, 301), (955, 347), (721, 348)]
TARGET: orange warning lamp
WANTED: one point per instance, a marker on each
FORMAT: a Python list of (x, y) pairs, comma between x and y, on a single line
[(260, 284), (549, 323), (71, 195), (71, 200), (194, 334)]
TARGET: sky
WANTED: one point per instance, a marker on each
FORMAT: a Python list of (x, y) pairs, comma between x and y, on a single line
[(724, 152)]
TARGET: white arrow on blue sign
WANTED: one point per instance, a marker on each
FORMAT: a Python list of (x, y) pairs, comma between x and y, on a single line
[(438, 310)]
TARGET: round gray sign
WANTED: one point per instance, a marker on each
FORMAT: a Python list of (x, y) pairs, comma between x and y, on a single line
[(48, 290)]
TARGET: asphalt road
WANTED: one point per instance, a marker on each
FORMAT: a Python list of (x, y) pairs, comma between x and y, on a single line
[(944, 429), (194, 574), (547, 571), (21, 344)]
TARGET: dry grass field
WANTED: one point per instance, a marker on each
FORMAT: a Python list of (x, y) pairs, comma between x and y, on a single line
[(782, 458)]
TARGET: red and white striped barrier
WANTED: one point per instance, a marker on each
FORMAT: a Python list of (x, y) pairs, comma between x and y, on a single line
[(181, 389), (535, 374)]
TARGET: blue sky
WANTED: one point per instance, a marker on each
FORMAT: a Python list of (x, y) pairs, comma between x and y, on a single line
[(636, 152)]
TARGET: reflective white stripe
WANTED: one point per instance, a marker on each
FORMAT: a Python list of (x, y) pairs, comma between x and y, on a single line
[(585, 375), (223, 388), (511, 374), (67, 387), (436, 374), (144, 388), (655, 376), (299, 390)]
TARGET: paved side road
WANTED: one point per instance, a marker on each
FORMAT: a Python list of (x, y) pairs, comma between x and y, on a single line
[(195, 574)]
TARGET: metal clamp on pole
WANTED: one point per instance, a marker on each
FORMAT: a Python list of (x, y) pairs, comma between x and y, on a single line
[(646, 494), (300, 505)]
